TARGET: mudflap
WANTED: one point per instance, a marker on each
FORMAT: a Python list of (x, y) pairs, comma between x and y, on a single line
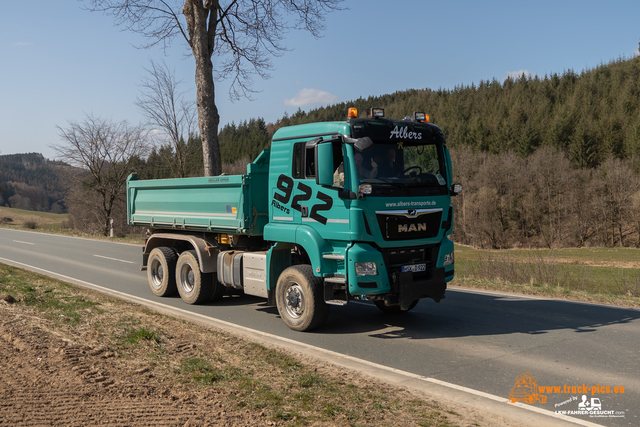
[(409, 291)]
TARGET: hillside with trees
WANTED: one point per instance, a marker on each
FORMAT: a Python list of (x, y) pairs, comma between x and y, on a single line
[(31, 182), (589, 116)]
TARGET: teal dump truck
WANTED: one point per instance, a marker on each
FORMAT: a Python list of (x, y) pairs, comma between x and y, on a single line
[(332, 212)]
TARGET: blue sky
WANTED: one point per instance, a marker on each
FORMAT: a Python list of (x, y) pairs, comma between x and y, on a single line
[(59, 62)]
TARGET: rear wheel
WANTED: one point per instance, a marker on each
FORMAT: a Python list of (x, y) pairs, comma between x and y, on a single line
[(194, 286), (300, 298), (393, 309), (161, 268)]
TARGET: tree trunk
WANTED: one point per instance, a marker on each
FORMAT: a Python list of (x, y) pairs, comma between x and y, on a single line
[(620, 228), (202, 46)]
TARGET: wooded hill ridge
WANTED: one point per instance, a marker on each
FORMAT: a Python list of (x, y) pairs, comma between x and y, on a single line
[(30, 181), (589, 116)]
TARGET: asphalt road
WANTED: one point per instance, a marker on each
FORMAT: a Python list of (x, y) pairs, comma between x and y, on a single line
[(478, 340)]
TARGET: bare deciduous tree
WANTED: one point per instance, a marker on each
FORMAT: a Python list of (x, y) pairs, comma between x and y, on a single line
[(243, 34), (105, 150), (619, 185), (541, 201), (162, 102)]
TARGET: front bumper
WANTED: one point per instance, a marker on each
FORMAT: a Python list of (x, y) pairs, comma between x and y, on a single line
[(396, 286)]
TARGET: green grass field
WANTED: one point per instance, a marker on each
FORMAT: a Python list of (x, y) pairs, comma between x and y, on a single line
[(589, 256), (609, 275), (21, 219)]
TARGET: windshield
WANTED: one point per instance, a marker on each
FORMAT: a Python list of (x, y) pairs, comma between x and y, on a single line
[(402, 163), (407, 158)]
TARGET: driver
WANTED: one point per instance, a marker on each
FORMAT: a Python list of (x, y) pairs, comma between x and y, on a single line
[(388, 167), (338, 175), (362, 172)]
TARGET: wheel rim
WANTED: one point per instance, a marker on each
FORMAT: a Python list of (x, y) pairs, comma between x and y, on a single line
[(187, 278), (294, 301), (157, 273)]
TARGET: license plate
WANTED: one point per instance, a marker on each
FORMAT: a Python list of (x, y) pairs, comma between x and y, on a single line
[(414, 268)]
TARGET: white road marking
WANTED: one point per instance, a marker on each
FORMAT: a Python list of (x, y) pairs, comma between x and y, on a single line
[(114, 259), (330, 353), (26, 243)]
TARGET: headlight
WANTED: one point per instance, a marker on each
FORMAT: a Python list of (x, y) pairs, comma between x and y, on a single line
[(448, 259), (366, 269)]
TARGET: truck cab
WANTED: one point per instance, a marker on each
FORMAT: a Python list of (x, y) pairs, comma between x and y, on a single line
[(367, 202)]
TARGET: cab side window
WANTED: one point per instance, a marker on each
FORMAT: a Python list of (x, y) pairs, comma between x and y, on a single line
[(303, 161), (338, 163), (296, 171), (309, 162)]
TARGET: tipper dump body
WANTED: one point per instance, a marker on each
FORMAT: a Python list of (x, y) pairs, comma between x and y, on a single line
[(232, 204)]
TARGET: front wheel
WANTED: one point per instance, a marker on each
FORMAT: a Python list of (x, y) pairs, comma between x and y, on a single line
[(300, 298), (194, 286)]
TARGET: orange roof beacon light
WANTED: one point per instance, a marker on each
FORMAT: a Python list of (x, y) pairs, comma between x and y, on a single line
[(377, 112), (420, 117), (353, 113)]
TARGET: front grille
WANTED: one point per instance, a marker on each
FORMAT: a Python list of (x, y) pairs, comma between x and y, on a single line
[(409, 224)]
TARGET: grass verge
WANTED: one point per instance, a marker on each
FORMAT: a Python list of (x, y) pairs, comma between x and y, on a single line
[(568, 274)]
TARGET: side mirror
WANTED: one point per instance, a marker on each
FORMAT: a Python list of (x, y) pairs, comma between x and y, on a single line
[(324, 164), (361, 144), (455, 189)]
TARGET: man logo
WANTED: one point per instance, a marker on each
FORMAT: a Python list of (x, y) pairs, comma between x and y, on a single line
[(406, 228), (413, 213)]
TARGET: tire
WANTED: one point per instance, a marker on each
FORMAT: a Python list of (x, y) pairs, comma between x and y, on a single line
[(161, 271), (300, 298), (194, 286), (219, 290), (393, 309)]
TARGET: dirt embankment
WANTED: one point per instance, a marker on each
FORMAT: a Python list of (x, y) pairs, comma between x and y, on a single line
[(48, 378)]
